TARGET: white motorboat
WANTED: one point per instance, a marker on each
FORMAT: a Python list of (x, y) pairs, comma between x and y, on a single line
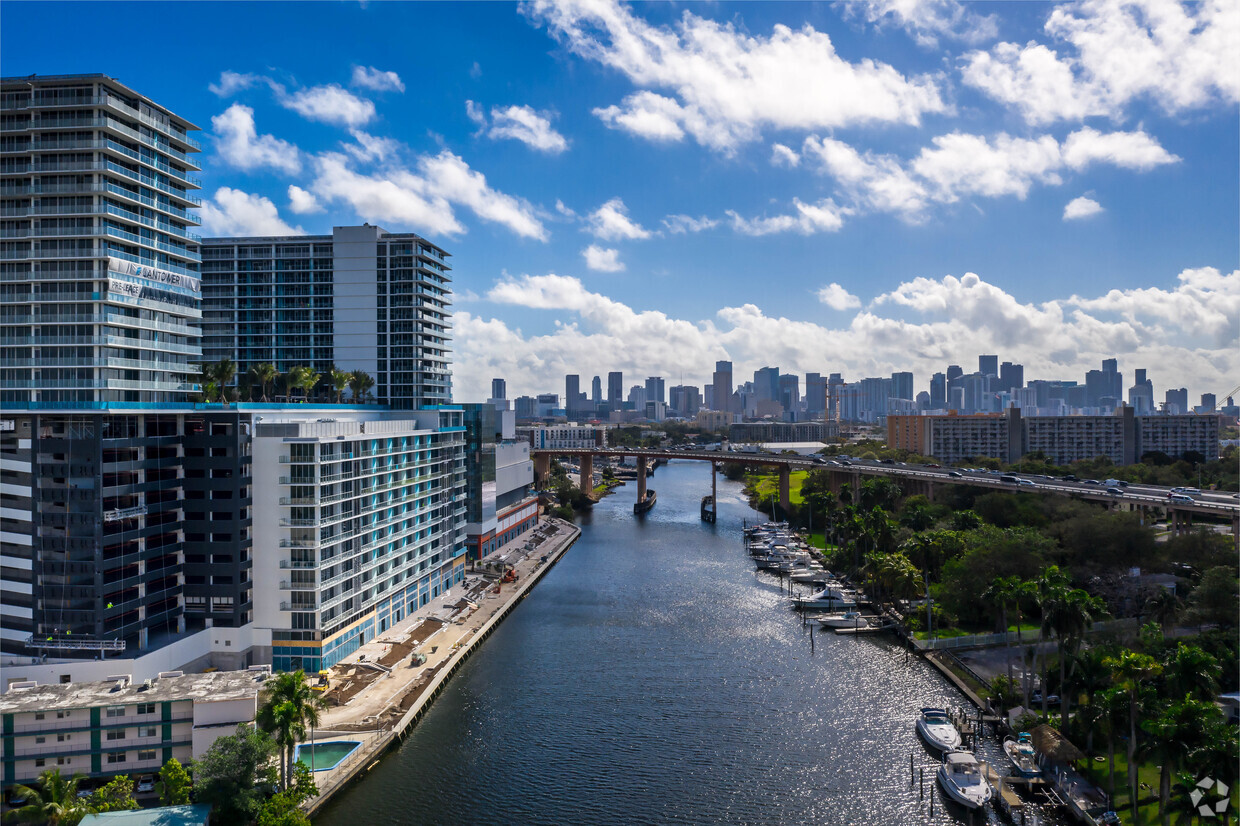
[(936, 728), (832, 597), (814, 576), (848, 619), (961, 777), (1020, 752)]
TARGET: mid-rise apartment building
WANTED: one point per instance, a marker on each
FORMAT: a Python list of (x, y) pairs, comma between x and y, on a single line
[(118, 726), (1123, 437), (358, 299), (783, 431), (502, 502), (564, 437)]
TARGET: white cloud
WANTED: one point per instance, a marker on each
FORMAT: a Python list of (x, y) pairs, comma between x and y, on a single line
[(1183, 333), (239, 144), (1130, 150), (449, 177), (838, 298), (723, 86), (1081, 207), (302, 202), (233, 82), (875, 182), (368, 77), (784, 156), (602, 260), (475, 113), (233, 213), (1117, 52), (331, 104), (371, 148), (824, 216), (611, 222), (682, 224), (928, 20), (524, 124), (961, 164), (398, 197)]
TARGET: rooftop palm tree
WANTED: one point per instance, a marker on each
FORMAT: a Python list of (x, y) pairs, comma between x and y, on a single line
[(263, 375), (289, 705), (359, 385), (54, 800), (340, 380)]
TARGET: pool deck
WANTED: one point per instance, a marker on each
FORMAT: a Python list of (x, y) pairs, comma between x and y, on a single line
[(382, 713)]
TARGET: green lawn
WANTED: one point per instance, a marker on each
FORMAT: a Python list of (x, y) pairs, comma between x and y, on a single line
[(1150, 775), (767, 485)]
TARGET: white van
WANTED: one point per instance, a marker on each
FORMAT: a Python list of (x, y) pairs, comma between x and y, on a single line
[(1180, 497)]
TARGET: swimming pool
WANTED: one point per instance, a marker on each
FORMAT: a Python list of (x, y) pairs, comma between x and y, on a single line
[(324, 756)]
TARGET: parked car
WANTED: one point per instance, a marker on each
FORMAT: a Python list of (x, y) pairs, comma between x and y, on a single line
[(146, 784)]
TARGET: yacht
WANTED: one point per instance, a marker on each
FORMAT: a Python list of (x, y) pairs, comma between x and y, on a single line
[(813, 576), (1020, 751), (962, 779), (848, 619), (937, 730), (832, 597)]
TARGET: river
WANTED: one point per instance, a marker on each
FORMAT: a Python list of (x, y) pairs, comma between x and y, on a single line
[(654, 677)]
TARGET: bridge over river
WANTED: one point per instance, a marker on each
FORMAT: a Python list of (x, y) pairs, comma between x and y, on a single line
[(1152, 501)]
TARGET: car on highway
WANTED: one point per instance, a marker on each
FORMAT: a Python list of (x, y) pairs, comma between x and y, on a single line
[(932, 464), (1071, 477), (1187, 491), (955, 473), (1181, 498)]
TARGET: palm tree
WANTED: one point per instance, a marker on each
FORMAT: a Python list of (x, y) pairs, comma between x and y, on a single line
[(1190, 671), (340, 380), (1164, 607), (1069, 614), (53, 801), (1048, 588), (1176, 735), (1093, 677), (224, 371), (1001, 591), (289, 705), (263, 375), (359, 385), (1131, 670), (309, 380)]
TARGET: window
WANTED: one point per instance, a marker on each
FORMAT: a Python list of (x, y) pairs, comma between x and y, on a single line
[(64, 761), (61, 715), (38, 715), (62, 738), (40, 740), (146, 708), (116, 757), (39, 763), (116, 711), (149, 754), (148, 731), (116, 734)]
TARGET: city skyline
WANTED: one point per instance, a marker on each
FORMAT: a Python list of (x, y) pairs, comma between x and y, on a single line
[(608, 209)]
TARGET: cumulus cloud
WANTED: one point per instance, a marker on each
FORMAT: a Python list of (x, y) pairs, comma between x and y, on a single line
[(331, 104), (423, 198), (1081, 207), (368, 77), (302, 202), (784, 156), (368, 147), (520, 123), (602, 260), (239, 144), (232, 82), (683, 224), (231, 212), (611, 222), (1116, 52), (1183, 332), (838, 298), (824, 216), (723, 86), (960, 165), (927, 21)]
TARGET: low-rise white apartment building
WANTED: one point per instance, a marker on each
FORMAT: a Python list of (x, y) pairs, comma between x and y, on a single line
[(117, 726)]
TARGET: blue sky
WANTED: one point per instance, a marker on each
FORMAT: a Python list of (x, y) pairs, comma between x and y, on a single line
[(860, 187)]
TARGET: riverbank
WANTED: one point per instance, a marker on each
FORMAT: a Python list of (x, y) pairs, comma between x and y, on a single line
[(413, 663)]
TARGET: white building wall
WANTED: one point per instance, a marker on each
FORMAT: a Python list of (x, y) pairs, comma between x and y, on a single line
[(355, 292)]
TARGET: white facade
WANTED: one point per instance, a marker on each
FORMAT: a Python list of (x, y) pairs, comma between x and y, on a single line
[(566, 437)]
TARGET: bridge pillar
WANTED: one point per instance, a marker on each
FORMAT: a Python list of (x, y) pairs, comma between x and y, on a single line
[(785, 495), (1235, 530), (587, 472), (542, 467), (641, 478), (856, 488)]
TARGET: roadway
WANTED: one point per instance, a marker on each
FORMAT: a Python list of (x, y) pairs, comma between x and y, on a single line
[(1218, 503)]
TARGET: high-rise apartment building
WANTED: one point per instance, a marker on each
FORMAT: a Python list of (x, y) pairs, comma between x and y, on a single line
[(596, 391), (902, 385), (572, 394), (359, 299), (938, 391), (815, 395)]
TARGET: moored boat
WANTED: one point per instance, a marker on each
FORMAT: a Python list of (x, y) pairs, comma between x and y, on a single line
[(848, 619), (961, 777), (1020, 752), (936, 729), (832, 597)]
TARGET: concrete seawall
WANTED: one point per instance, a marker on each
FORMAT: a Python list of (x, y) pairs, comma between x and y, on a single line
[(380, 741)]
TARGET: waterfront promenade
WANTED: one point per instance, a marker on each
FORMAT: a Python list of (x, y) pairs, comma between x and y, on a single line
[(398, 684)]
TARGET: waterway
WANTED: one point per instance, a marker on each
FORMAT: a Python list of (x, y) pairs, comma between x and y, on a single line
[(654, 677)]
